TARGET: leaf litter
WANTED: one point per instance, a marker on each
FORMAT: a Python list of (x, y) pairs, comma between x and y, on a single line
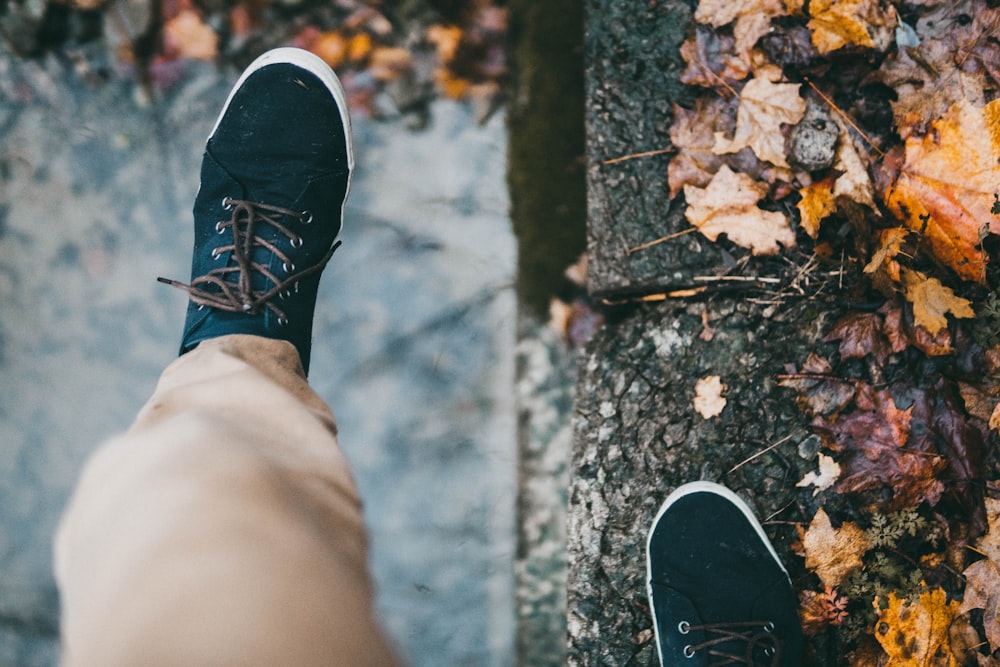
[(897, 212)]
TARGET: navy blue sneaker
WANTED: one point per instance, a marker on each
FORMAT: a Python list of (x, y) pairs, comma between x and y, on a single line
[(718, 592), (274, 179)]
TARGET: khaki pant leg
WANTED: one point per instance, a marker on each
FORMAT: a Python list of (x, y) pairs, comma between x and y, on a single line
[(224, 528)]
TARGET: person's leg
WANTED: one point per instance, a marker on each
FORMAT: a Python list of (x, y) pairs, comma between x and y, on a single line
[(224, 527)]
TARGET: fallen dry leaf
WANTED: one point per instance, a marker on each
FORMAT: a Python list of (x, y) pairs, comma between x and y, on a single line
[(834, 553), (187, 36), (816, 204), (764, 106), (854, 183), (982, 590), (829, 473), (751, 19), (945, 187), (916, 635), (729, 206), (708, 399), (890, 245), (839, 23), (932, 301)]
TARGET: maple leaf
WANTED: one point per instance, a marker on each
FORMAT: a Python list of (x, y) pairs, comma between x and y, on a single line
[(931, 301), (764, 106), (816, 204), (834, 553), (693, 135), (729, 206), (946, 184), (916, 635), (903, 332), (861, 334), (839, 23), (708, 399), (829, 472), (819, 394), (982, 589), (712, 59)]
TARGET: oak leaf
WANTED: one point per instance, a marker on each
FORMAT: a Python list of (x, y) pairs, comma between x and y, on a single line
[(839, 23), (834, 553), (764, 106), (916, 635), (932, 301), (946, 184), (729, 206)]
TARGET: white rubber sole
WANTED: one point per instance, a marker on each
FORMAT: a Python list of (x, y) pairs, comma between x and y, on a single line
[(677, 494)]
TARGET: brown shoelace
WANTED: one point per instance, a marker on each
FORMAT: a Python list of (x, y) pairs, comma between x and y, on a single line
[(754, 634), (233, 284)]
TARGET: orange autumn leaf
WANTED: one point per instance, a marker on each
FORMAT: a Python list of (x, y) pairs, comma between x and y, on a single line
[(916, 635), (729, 206), (834, 553), (446, 40), (331, 47), (932, 301), (946, 185), (816, 204), (890, 242), (839, 23)]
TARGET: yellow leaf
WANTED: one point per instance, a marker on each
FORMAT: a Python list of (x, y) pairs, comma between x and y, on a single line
[(946, 185), (916, 635), (839, 23), (834, 553), (816, 204), (931, 301), (729, 206), (708, 399), (764, 106)]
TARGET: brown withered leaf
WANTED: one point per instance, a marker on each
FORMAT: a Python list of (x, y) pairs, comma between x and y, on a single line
[(853, 182), (834, 553), (751, 19), (729, 206), (945, 187), (712, 60), (902, 332), (765, 105), (693, 135), (839, 23), (890, 244), (871, 442), (861, 334), (982, 588), (932, 301), (819, 393)]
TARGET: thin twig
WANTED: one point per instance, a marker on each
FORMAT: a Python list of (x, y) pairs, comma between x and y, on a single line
[(761, 452), (668, 237), (623, 158)]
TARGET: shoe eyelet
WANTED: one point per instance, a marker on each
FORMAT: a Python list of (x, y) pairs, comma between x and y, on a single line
[(282, 321), (284, 294), (769, 651), (220, 227), (216, 254), (288, 267), (688, 651), (307, 217), (227, 204), (683, 627), (297, 242), (201, 306), (769, 626)]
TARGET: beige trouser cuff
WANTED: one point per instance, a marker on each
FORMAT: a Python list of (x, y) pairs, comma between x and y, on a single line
[(223, 528)]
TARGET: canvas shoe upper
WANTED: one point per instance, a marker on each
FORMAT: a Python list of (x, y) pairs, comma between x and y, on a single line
[(718, 593), (275, 176)]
